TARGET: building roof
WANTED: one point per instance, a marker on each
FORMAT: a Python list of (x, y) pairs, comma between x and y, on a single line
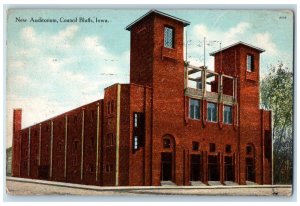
[(235, 44), (185, 23)]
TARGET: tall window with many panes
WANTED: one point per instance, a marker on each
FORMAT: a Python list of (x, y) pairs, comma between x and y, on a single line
[(194, 109), (227, 114), (211, 112), (169, 37), (138, 130)]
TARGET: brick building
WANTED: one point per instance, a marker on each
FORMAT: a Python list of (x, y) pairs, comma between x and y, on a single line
[(173, 122)]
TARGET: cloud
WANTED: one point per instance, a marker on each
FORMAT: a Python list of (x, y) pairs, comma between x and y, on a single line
[(53, 64), (22, 80), (16, 64), (265, 41), (28, 35), (64, 38), (202, 30), (29, 52), (66, 34), (52, 73), (242, 31), (93, 45), (229, 36), (234, 33)]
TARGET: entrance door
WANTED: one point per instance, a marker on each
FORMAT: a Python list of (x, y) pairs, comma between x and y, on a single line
[(195, 168), (229, 169), (213, 168), (166, 166), (250, 171)]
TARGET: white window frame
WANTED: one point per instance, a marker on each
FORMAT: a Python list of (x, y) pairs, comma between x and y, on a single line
[(210, 120), (135, 120), (167, 32), (194, 115), (135, 144), (224, 106)]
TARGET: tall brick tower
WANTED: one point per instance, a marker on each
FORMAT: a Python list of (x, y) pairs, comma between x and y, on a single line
[(16, 144), (156, 42), (156, 60), (242, 60)]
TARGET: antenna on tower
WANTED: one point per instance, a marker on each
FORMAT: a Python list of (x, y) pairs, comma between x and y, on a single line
[(221, 69), (204, 52), (186, 40)]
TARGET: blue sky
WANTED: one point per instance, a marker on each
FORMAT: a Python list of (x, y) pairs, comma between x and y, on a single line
[(55, 67)]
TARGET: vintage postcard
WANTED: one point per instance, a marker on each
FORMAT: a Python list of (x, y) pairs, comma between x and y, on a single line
[(173, 102)]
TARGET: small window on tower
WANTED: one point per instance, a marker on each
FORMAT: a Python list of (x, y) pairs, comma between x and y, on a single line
[(248, 150), (250, 63), (167, 143), (169, 37), (228, 148), (212, 147), (195, 146)]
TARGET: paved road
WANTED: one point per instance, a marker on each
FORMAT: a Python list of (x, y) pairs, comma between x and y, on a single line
[(17, 187)]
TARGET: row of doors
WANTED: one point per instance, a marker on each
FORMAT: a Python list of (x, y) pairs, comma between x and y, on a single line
[(213, 168), (195, 168)]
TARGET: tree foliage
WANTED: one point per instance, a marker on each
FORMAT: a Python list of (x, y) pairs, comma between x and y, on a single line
[(277, 95)]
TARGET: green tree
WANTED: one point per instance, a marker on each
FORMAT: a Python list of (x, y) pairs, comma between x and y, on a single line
[(277, 95)]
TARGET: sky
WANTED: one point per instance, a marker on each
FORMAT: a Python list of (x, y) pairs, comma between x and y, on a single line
[(55, 67)]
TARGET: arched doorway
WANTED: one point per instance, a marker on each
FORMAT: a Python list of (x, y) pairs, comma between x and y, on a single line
[(168, 158), (250, 163)]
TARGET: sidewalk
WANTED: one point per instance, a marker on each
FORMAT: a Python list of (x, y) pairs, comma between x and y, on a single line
[(21, 186)]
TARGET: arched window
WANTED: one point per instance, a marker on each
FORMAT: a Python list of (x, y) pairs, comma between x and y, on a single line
[(250, 150), (168, 142)]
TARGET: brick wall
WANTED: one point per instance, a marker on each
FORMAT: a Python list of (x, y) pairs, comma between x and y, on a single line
[(89, 145)]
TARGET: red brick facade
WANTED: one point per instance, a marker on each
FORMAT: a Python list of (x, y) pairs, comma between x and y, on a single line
[(143, 133)]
